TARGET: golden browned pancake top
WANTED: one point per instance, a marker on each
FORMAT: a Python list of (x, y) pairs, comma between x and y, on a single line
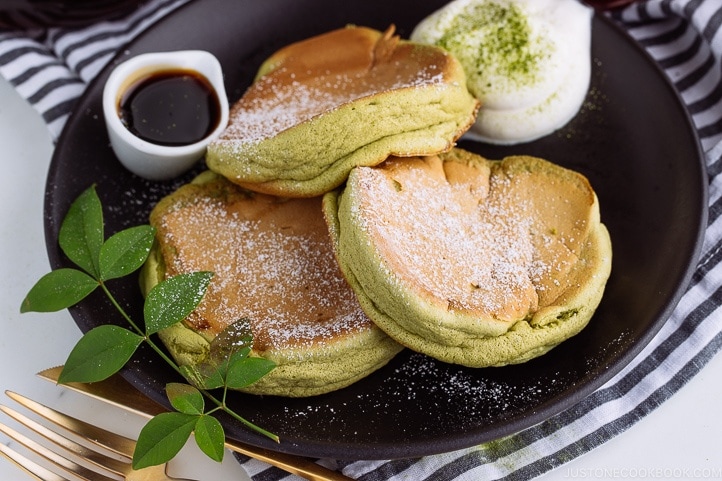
[(491, 238), (273, 264), (313, 76)]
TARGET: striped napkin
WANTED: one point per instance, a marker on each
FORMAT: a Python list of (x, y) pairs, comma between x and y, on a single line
[(50, 68)]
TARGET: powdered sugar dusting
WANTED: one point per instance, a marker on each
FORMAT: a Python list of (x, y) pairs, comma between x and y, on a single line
[(282, 276), (411, 395), (279, 101), (472, 249), (419, 398)]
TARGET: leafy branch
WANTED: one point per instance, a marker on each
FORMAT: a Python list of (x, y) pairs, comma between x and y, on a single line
[(104, 350)]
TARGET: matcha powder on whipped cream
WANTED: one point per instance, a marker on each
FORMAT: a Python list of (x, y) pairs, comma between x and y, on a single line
[(527, 61), (495, 41)]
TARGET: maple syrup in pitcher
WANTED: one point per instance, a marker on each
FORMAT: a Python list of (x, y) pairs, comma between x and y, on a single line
[(170, 107)]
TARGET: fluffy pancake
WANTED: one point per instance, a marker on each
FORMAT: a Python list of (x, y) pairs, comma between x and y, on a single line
[(273, 264), (472, 261), (352, 96)]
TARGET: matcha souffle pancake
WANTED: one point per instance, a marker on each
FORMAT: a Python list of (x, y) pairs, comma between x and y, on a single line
[(472, 261), (273, 265), (349, 97)]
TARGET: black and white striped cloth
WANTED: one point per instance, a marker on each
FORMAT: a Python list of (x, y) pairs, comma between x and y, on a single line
[(51, 69)]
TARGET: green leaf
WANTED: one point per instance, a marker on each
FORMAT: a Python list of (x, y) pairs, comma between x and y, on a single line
[(100, 353), (244, 372), (230, 346), (185, 398), (234, 339), (162, 438), (58, 289), (104, 350), (203, 376), (210, 437), (125, 252), (170, 301), (81, 233), (212, 372)]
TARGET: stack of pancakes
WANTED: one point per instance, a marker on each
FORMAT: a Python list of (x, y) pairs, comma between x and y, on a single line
[(342, 223)]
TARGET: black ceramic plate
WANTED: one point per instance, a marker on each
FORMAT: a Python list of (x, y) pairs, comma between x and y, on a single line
[(633, 139)]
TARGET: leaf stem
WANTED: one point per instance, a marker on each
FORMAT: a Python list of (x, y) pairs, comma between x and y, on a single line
[(119, 308), (81, 239), (141, 332), (220, 404)]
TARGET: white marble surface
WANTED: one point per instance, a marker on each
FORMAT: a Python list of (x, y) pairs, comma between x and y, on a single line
[(680, 440)]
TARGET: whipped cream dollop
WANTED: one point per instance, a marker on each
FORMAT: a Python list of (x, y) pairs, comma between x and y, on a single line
[(527, 61)]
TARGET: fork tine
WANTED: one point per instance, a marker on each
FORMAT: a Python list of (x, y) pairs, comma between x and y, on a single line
[(94, 457), (30, 467), (101, 437), (65, 464)]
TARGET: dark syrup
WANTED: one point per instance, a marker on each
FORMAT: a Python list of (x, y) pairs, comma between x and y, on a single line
[(171, 107)]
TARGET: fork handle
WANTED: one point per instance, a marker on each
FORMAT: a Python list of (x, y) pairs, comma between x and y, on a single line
[(293, 464)]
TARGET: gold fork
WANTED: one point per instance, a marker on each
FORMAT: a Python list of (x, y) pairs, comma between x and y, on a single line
[(116, 391), (97, 465)]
